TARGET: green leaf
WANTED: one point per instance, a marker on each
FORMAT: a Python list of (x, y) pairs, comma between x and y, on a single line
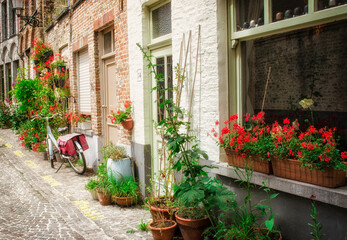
[(270, 223), (274, 195)]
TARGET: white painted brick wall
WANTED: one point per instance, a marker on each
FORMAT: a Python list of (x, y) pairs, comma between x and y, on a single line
[(185, 17)]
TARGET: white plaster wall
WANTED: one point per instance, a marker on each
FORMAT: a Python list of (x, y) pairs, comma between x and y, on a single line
[(185, 17)]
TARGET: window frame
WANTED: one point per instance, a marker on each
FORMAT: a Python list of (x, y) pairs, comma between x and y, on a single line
[(161, 39), (312, 18)]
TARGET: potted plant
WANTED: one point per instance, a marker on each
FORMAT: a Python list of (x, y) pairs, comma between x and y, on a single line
[(125, 192), (182, 151), (118, 163), (247, 144), (123, 116), (246, 220), (42, 53), (91, 186), (59, 65), (84, 122), (162, 228), (309, 156), (104, 186)]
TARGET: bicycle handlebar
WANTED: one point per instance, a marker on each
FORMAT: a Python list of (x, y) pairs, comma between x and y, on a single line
[(43, 116)]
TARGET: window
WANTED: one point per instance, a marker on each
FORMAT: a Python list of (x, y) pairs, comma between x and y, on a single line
[(108, 45), (8, 80), (84, 82), (2, 85), (4, 20), (160, 22), (12, 19), (304, 46)]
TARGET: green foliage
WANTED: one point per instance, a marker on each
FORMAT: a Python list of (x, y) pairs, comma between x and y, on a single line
[(103, 183), (92, 184), (5, 114), (127, 187), (246, 221), (143, 226), (196, 188), (114, 152), (316, 226)]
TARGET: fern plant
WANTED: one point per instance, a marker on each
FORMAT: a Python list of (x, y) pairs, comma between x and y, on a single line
[(316, 226)]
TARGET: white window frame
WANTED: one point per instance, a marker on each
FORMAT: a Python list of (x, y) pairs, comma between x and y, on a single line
[(162, 40), (312, 18)]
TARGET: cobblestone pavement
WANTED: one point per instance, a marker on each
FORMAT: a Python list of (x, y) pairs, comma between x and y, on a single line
[(37, 203)]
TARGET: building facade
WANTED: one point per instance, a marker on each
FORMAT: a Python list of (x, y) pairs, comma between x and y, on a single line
[(9, 57)]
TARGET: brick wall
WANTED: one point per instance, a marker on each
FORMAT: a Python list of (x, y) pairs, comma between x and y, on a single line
[(87, 20)]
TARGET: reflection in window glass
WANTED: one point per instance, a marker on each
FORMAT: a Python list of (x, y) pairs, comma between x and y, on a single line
[(303, 65), (324, 4), (160, 70), (107, 42), (250, 13), (161, 21), (283, 9)]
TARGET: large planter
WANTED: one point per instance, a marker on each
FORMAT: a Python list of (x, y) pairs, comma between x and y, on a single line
[(124, 201), (128, 124), (192, 229), (104, 199), (119, 169), (291, 169), (257, 164), (162, 233)]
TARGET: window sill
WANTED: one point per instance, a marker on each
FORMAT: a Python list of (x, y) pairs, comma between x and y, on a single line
[(332, 196), (88, 133)]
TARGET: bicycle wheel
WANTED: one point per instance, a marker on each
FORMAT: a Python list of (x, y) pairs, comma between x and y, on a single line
[(78, 161)]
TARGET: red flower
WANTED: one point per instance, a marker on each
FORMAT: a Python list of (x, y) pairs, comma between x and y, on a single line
[(216, 122), (286, 121), (344, 155), (225, 130)]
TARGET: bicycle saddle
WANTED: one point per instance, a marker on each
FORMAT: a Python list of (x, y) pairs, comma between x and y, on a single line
[(61, 130)]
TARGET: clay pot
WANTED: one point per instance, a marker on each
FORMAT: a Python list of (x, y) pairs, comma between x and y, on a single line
[(163, 233), (192, 229), (128, 124), (104, 199), (124, 201)]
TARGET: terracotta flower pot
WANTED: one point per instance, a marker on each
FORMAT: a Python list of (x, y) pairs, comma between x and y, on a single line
[(157, 213), (258, 164), (104, 199), (192, 229), (128, 124), (291, 169), (163, 233), (124, 201)]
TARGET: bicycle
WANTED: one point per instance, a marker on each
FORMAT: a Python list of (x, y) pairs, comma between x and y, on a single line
[(77, 161)]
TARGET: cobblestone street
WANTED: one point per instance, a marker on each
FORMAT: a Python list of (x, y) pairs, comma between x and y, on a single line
[(37, 203)]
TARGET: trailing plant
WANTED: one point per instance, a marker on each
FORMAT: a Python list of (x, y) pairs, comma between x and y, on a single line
[(121, 114), (183, 153), (114, 152)]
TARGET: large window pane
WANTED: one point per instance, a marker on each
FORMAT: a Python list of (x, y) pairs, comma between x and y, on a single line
[(161, 21), (250, 13), (308, 63)]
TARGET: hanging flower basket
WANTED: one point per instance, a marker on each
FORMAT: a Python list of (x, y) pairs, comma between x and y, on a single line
[(257, 164), (47, 55), (291, 169), (128, 124)]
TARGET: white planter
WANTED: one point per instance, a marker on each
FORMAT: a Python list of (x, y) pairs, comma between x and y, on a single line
[(119, 169), (85, 125)]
